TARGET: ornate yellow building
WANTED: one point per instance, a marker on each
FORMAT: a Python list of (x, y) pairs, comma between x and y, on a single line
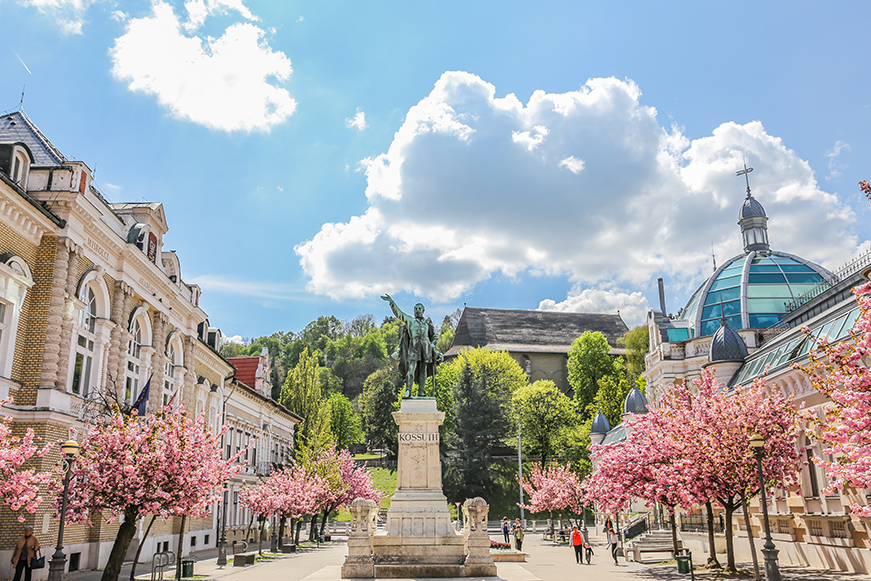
[(91, 308)]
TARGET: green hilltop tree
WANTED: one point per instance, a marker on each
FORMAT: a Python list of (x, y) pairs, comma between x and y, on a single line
[(378, 401), (609, 399), (344, 421), (636, 342), (588, 363), (546, 417), (302, 395), (482, 423)]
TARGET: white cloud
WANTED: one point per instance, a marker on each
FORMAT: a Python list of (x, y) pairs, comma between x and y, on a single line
[(573, 164), (632, 306), (474, 184), (225, 83), (357, 122), (266, 290), (833, 154), (69, 14), (235, 339)]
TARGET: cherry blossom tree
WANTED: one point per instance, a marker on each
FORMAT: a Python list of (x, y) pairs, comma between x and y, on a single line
[(840, 371), (715, 424), (344, 480), (553, 488), (260, 501), (19, 484), (166, 465)]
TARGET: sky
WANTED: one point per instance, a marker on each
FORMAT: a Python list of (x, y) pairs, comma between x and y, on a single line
[(312, 156)]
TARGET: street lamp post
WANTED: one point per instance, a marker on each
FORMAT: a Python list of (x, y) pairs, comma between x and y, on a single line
[(520, 474), (58, 561), (769, 552), (222, 525)]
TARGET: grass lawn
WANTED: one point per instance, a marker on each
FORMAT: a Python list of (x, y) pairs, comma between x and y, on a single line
[(384, 479), (368, 456)]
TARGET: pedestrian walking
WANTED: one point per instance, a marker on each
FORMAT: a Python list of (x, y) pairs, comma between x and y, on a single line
[(614, 541), (578, 544), (608, 524), (589, 552), (506, 530), (24, 553), (518, 535)]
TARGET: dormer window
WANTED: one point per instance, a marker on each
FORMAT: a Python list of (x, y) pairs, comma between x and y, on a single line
[(19, 161)]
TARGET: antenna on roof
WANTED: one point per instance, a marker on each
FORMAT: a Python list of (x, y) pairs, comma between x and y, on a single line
[(713, 257), (21, 101), (744, 173)]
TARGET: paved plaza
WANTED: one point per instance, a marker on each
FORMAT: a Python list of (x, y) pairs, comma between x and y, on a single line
[(545, 562)]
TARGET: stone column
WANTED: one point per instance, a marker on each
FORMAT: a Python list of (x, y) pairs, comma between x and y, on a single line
[(360, 561), (67, 327), (119, 337), (479, 561), (54, 321), (188, 395), (159, 324)]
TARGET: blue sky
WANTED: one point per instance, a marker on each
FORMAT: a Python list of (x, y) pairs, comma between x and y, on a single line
[(563, 155)]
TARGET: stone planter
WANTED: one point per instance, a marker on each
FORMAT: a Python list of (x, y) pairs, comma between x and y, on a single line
[(513, 557)]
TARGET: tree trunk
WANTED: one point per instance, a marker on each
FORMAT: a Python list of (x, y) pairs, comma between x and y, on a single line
[(248, 529), (260, 546), (126, 532), (139, 548), (729, 507), (178, 558), (313, 528), (324, 521), (281, 520), (298, 529), (673, 522), (712, 558), (750, 537)]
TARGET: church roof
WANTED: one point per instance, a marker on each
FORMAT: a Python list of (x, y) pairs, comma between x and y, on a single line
[(751, 290), (600, 424), (751, 208), (636, 402), (16, 126), (531, 331), (727, 345)]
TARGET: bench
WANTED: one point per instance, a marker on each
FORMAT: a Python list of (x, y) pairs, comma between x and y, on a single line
[(241, 556)]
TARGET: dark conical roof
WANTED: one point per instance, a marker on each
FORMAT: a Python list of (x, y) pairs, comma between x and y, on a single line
[(600, 424), (751, 208), (727, 345), (635, 402)]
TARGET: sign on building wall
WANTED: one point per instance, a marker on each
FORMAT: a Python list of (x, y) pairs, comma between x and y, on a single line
[(152, 247)]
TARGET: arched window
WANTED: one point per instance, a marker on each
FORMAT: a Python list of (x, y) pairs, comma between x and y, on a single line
[(170, 381), (84, 347), (134, 351)]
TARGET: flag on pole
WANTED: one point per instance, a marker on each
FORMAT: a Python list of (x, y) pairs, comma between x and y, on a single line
[(142, 400)]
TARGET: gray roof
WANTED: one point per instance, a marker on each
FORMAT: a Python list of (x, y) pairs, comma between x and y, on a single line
[(727, 345), (531, 331), (618, 434), (16, 126), (600, 424), (636, 402), (751, 208)]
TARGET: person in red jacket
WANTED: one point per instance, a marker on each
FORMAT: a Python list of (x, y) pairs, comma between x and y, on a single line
[(578, 544)]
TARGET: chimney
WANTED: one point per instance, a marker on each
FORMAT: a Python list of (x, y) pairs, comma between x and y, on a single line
[(661, 296)]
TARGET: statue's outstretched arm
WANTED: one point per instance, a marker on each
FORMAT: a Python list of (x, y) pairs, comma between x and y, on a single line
[(395, 308)]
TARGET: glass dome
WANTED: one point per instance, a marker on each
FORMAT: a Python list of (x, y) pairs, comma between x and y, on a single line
[(751, 291)]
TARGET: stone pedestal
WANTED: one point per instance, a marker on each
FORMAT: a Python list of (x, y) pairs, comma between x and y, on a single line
[(419, 539)]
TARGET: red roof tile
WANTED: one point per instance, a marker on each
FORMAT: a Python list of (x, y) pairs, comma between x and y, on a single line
[(246, 369)]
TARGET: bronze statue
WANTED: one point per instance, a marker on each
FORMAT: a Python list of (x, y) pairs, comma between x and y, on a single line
[(418, 356)]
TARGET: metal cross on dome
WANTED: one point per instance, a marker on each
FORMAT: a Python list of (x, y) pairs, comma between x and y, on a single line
[(744, 173)]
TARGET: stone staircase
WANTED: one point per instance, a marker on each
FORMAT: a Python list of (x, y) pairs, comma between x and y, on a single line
[(652, 547)]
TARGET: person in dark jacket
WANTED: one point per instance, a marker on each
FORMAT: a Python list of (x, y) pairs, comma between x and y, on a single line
[(25, 551)]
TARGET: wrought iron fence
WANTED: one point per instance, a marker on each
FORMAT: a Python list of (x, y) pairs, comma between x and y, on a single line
[(698, 523)]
